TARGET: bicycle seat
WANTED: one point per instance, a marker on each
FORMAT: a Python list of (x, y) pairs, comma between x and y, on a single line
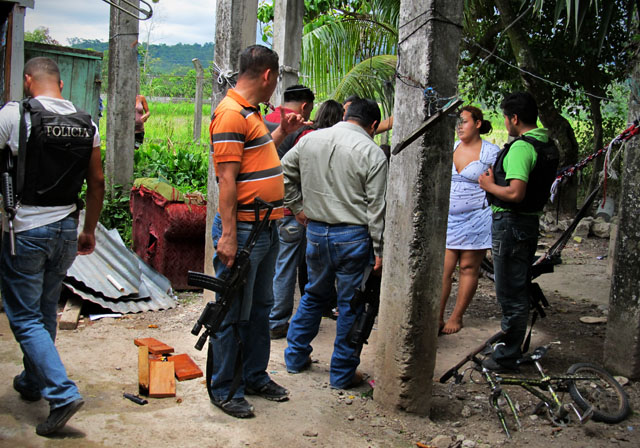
[(537, 354)]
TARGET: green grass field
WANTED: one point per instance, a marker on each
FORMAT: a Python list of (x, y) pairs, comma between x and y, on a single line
[(170, 123)]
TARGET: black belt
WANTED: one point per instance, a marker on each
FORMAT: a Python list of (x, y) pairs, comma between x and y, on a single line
[(268, 226)]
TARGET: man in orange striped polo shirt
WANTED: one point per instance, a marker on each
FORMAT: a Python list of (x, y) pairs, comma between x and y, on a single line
[(247, 166)]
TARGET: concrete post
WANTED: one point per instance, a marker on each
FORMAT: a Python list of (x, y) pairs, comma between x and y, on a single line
[(197, 114), (622, 343), (287, 42), (235, 30), (15, 50), (121, 99), (417, 207)]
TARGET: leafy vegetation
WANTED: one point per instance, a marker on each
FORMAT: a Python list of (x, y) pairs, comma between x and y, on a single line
[(184, 166), (166, 59), (169, 153), (349, 47), (40, 35), (170, 123)]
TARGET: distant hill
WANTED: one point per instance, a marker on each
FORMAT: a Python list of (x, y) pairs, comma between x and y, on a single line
[(165, 58)]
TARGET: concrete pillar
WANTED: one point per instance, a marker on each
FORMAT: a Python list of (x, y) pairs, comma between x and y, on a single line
[(121, 97), (417, 207), (287, 42), (236, 22), (622, 343), (235, 30), (197, 114), (15, 50)]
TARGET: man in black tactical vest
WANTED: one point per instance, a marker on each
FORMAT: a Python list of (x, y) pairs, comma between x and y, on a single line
[(517, 188), (48, 149)]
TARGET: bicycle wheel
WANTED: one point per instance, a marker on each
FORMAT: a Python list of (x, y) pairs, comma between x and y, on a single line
[(600, 391)]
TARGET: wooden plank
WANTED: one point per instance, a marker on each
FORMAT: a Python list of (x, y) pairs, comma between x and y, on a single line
[(162, 381), (71, 314), (185, 367), (143, 370), (155, 347)]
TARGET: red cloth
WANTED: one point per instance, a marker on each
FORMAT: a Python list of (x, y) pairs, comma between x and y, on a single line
[(274, 117), (169, 236)]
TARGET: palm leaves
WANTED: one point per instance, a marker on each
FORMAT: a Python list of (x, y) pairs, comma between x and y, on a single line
[(353, 51)]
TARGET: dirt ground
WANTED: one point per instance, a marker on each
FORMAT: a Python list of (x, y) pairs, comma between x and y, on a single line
[(101, 358)]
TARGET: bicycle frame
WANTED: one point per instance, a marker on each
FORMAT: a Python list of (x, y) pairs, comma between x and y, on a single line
[(558, 411)]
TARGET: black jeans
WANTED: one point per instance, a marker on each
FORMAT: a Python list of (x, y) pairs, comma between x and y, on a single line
[(515, 238)]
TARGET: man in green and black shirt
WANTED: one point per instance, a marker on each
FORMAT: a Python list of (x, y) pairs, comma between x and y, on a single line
[(517, 187)]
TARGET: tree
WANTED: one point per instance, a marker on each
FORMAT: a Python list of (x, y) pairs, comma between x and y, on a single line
[(349, 47), (40, 35), (537, 46)]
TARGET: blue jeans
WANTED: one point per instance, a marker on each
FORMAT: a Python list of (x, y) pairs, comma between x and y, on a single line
[(31, 283), (335, 253), (250, 314), (290, 256), (515, 238)]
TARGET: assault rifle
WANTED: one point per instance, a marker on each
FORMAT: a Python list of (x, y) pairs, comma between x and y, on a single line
[(8, 197), (368, 295), (230, 283)]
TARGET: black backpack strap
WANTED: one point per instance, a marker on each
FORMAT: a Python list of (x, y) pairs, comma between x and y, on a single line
[(237, 370), (22, 149)]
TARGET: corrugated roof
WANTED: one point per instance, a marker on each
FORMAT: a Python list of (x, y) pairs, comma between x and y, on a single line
[(143, 288)]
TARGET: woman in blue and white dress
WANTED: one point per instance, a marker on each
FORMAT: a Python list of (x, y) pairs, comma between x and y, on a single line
[(469, 223)]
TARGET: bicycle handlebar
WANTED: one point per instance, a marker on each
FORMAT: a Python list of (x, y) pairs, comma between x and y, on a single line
[(449, 373)]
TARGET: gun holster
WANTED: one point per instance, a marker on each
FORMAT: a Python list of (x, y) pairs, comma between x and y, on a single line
[(368, 295)]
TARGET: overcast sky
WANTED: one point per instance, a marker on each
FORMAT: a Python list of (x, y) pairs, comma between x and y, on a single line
[(174, 21)]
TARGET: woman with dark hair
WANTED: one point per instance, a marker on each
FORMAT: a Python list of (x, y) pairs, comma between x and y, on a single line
[(329, 113), (469, 223)]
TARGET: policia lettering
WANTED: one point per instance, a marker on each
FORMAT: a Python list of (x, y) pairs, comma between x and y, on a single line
[(67, 131), (57, 156)]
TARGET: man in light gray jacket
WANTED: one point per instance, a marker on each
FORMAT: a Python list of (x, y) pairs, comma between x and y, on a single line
[(342, 176)]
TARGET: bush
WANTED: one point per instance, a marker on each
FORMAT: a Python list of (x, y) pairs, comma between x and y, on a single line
[(185, 166)]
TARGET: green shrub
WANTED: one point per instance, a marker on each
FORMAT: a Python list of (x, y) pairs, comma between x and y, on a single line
[(183, 165)]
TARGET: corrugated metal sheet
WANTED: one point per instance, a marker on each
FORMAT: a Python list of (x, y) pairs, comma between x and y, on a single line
[(144, 288), (110, 257)]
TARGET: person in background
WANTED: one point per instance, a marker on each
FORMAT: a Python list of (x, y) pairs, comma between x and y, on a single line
[(292, 235), (518, 187), (335, 183), (469, 223), (385, 125), (142, 115), (298, 99), (57, 163)]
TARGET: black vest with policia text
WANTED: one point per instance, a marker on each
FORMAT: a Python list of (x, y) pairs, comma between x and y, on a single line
[(540, 178), (57, 156)]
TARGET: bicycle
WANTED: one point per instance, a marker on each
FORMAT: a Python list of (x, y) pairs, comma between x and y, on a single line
[(595, 393)]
